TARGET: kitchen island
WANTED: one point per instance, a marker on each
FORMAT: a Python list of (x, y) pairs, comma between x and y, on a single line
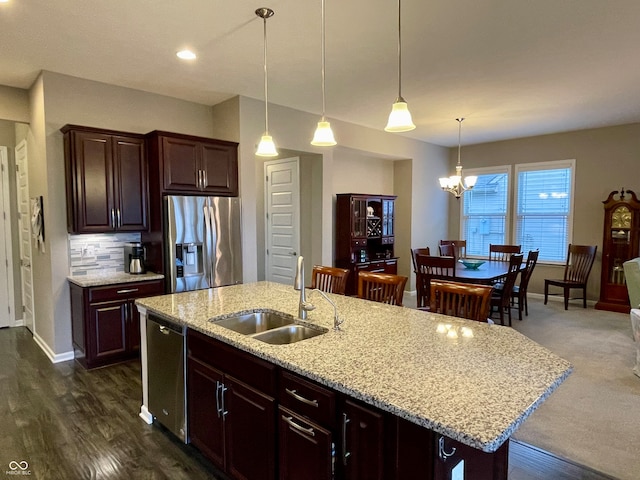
[(472, 382)]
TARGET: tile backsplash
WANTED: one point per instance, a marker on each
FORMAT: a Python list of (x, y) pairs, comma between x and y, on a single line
[(98, 253)]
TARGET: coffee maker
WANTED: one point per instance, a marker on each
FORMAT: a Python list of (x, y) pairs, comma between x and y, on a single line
[(134, 258)]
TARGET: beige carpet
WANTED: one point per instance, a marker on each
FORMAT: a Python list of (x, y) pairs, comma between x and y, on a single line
[(593, 418)]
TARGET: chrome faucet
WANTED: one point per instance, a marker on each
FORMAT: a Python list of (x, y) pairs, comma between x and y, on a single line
[(298, 284), (303, 305)]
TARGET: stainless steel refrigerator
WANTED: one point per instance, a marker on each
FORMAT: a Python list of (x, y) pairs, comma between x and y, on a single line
[(203, 247)]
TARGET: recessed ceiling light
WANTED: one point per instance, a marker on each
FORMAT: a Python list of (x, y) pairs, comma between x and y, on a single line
[(184, 54)]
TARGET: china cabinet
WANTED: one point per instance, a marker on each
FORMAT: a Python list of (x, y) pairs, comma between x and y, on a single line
[(620, 243), (365, 235)]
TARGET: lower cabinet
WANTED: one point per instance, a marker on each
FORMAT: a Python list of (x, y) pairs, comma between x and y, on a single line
[(105, 321), (254, 420)]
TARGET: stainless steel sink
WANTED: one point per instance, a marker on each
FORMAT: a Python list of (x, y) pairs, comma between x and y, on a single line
[(270, 327), (255, 322), (288, 334)]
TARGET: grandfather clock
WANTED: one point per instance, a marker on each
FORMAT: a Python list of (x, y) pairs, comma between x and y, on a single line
[(620, 243)]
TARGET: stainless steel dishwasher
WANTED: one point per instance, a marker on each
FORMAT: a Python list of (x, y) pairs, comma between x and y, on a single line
[(166, 367)]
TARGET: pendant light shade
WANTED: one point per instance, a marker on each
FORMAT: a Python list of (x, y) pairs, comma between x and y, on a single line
[(400, 117), (323, 137), (454, 183), (266, 147)]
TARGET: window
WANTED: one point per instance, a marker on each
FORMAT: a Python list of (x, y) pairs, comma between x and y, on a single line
[(484, 210), (544, 206)]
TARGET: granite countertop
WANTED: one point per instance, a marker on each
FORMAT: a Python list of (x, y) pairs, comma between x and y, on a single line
[(477, 389), (112, 278)]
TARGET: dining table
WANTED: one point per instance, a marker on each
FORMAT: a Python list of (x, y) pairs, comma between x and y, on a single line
[(489, 272)]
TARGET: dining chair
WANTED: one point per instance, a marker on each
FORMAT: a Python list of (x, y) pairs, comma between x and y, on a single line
[(329, 279), (381, 287), (501, 299), (576, 273), (428, 268), (464, 300), (503, 252), (519, 292), (460, 247), (447, 250), (418, 251)]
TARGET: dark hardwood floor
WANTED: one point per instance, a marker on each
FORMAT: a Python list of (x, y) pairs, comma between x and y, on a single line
[(68, 423)]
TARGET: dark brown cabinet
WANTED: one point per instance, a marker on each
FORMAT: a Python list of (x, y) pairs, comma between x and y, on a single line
[(231, 404), (107, 180), (193, 165), (365, 235), (105, 321), (620, 243), (457, 460)]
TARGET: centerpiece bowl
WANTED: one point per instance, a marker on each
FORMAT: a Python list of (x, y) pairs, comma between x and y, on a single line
[(472, 264)]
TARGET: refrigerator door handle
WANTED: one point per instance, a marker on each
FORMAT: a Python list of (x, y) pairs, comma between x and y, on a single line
[(206, 260)]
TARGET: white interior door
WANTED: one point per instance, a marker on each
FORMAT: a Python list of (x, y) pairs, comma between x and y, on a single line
[(24, 228), (6, 263), (282, 204)]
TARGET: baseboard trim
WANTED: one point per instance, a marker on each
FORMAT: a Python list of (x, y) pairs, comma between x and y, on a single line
[(145, 415), (55, 358)]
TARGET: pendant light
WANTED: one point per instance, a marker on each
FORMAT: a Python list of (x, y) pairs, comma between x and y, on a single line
[(454, 183), (266, 147), (323, 137), (400, 117)]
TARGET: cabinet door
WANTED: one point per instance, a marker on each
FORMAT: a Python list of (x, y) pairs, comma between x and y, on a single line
[(131, 183), (305, 448), (250, 435), (358, 217), (133, 327), (455, 457), (91, 177), (205, 387), (180, 164), (108, 323), (219, 163), (362, 442)]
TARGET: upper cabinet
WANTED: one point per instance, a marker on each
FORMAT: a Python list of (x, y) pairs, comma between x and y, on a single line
[(107, 180), (193, 165)]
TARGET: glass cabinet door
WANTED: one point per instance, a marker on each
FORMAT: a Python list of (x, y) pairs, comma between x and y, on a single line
[(359, 217)]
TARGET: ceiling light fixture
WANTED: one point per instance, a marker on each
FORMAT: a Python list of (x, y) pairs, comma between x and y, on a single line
[(400, 117), (266, 147), (323, 137), (454, 183), (185, 54)]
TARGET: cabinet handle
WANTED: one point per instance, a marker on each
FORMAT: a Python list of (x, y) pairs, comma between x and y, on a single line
[(127, 290), (218, 402), (113, 218), (297, 396), (119, 223), (345, 454), (164, 330), (223, 411), (205, 179), (441, 450), (300, 428)]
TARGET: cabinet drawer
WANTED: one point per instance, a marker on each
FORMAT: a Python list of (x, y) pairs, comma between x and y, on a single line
[(125, 290), (359, 242), (306, 398), (247, 368)]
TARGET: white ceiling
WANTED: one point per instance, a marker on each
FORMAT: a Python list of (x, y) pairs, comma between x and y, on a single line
[(513, 68)]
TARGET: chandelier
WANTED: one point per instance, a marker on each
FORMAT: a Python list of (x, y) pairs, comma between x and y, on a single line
[(454, 184)]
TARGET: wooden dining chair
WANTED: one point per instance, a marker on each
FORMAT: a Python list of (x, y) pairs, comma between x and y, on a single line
[(329, 279), (460, 247), (501, 299), (464, 300), (503, 252), (428, 268), (418, 251), (519, 292), (381, 287), (448, 250), (576, 273)]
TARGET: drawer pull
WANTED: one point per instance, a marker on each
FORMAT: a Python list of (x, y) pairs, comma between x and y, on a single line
[(300, 428), (127, 290), (294, 394)]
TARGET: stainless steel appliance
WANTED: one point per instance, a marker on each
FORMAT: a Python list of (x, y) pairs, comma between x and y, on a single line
[(203, 248), (166, 353), (134, 255)]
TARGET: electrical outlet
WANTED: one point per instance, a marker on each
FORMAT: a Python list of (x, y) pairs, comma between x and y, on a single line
[(88, 251)]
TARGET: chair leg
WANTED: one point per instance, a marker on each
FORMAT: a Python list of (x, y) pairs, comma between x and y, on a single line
[(566, 298), (520, 307), (509, 314), (546, 292), (584, 297), (526, 306), (501, 315)]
